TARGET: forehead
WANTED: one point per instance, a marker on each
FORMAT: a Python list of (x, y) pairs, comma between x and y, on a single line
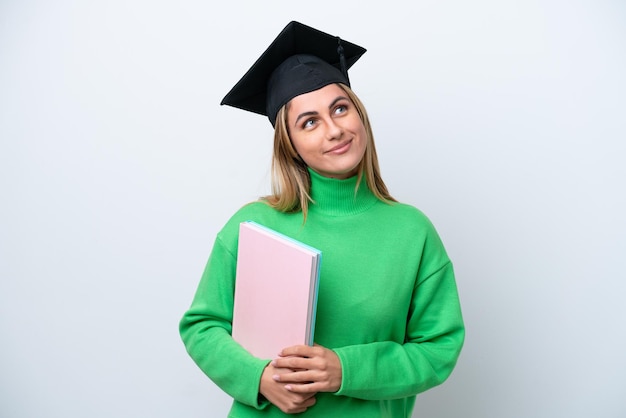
[(311, 102)]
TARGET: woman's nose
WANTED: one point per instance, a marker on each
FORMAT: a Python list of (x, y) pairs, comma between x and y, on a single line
[(334, 130)]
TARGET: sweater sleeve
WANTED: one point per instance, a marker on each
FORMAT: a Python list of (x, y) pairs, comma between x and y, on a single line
[(434, 337), (206, 331)]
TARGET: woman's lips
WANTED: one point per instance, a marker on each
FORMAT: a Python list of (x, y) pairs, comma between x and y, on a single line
[(341, 148)]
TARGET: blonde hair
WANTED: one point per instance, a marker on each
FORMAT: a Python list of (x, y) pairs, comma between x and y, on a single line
[(291, 182)]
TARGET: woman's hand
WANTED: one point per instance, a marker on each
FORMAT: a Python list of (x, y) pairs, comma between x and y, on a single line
[(287, 401), (311, 369)]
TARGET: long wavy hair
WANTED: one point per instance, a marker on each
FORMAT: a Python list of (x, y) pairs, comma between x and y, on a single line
[(291, 182)]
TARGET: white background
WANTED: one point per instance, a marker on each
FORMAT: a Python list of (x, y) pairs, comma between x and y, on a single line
[(504, 121)]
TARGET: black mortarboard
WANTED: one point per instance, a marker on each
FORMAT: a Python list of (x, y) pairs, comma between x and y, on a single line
[(300, 60)]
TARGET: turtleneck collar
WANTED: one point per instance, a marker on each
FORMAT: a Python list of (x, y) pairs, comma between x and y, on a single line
[(337, 197)]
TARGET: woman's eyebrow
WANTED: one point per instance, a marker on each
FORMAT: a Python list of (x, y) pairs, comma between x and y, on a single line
[(301, 115), (334, 102)]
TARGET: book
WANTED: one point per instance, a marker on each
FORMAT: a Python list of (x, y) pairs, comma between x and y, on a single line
[(275, 291)]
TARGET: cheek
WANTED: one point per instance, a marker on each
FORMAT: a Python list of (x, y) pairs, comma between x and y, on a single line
[(301, 148), (295, 145), (362, 137), (306, 142)]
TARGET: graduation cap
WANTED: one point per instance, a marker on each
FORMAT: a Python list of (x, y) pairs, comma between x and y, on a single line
[(300, 60)]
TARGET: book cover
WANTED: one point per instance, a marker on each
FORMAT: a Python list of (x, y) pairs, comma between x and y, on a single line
[(275, 291)]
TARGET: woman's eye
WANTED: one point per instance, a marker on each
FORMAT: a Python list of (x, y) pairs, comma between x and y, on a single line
[(309, 123), (340, 109)]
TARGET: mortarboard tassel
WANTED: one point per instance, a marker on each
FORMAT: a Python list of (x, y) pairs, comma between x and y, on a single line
[(342, 59)]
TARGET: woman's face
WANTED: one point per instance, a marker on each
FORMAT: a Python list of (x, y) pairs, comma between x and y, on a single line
[(327, 132)]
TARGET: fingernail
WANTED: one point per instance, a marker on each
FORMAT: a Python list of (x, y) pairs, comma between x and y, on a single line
[(276, 377)]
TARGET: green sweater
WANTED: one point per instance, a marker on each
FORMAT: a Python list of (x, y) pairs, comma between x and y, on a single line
[(387, 304)]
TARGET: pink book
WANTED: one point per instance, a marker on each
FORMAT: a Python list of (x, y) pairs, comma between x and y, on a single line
[(275, 291)]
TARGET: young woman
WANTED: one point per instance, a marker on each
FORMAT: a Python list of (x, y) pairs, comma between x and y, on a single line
[(388, 323)]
